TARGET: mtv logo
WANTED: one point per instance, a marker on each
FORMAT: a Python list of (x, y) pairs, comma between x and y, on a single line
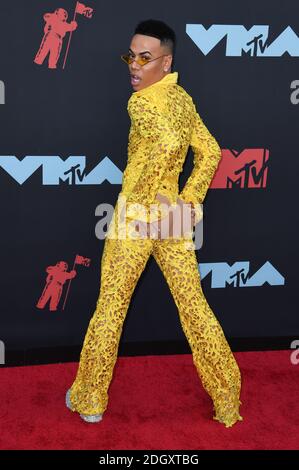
[(238, 275), (254, 41), (55, 170), (245, 169)]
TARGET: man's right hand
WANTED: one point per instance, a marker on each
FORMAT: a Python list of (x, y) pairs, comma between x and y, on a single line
[(179, 221)]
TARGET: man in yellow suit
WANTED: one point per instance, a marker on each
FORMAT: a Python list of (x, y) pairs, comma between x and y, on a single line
[(164, 122)]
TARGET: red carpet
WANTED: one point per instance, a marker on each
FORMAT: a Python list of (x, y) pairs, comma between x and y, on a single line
[(156, 402)]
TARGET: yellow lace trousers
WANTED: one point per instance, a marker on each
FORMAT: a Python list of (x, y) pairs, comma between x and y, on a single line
[(122, 264)]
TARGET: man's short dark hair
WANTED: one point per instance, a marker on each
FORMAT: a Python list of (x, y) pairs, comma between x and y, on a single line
[(160, 30)]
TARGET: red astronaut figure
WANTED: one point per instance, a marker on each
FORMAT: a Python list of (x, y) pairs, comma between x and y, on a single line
[(55, 29), (57, 276)]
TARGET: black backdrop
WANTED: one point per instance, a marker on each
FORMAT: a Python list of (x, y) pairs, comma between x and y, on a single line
[(80, 111)]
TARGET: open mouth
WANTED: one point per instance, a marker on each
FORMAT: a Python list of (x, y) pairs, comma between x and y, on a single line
[(135, 79)]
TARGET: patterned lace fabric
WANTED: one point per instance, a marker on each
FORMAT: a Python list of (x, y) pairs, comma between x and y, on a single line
[(164, 122)]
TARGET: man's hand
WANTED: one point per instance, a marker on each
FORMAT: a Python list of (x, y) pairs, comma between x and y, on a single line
[(179, 221), (163, 199), (152, 229), (181, 203)]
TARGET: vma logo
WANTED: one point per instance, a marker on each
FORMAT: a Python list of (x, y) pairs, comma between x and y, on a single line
[(237, 275), (2, 92), (245, 169), (240, 41), (55, 171)]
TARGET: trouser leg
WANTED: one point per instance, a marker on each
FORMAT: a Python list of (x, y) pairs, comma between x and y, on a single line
[(212, 356), (122, 264)]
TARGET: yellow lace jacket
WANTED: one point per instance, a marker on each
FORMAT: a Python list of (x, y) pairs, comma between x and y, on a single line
[(164, 123)]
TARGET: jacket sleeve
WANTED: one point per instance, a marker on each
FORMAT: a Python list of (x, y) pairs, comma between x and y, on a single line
[(207, 155), (156, 127)]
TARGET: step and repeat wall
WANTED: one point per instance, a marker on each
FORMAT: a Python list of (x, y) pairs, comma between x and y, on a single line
[(63, 149)]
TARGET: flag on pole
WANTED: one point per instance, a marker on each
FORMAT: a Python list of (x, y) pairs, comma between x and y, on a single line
[(78, 260), (81, 260), (82, 9)]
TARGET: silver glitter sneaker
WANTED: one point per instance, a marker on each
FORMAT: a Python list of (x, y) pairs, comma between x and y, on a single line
[(88, 418)]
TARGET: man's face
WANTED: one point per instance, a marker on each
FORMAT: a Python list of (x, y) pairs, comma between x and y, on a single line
[(149, 47)]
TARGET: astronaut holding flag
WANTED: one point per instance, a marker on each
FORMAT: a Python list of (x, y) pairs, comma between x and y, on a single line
[(55, 30)]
